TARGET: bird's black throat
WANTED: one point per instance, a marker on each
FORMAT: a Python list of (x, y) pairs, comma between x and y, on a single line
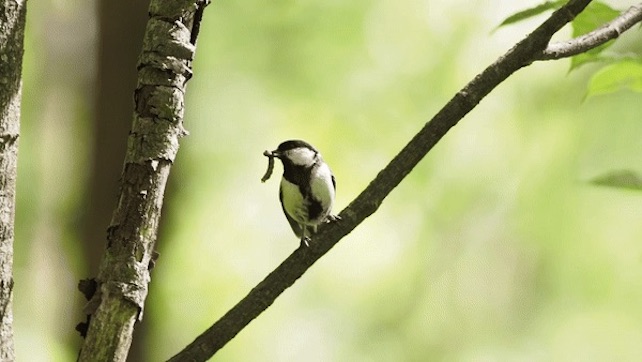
[(298, 175)]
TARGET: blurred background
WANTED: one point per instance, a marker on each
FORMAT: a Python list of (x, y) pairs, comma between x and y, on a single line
[(495, 247)]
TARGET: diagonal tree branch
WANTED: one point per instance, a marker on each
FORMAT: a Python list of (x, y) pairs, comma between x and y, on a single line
[(164, 67), (264, 294), (597, 37)]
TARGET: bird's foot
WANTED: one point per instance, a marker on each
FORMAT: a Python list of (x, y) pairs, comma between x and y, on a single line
[(305, 241), (331, 218)]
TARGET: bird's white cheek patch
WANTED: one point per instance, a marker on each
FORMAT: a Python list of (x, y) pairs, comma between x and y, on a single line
[(301, 156)]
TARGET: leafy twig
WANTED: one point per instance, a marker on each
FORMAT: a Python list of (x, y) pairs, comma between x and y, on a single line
[(591, 40)]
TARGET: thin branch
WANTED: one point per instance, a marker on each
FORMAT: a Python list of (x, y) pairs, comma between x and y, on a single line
[(597, 37), (264, 294)]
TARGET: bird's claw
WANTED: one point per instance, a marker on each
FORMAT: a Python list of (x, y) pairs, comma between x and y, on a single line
[(332, 218), (305, 240)]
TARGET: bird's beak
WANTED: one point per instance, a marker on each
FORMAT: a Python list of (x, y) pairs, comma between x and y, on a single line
[(272, 154)]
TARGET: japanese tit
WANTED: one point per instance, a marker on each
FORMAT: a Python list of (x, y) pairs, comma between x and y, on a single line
[(307, 187)]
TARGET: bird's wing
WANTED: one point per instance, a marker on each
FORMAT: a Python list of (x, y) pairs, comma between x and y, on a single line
[(293, 224), (334, 183)]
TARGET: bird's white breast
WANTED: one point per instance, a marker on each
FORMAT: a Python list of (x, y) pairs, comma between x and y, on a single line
[(322, 187), (293, 202)]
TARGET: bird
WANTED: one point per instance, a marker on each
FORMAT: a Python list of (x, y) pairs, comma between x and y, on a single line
[(308, 188)]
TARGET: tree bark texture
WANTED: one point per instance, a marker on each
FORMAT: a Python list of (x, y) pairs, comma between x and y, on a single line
[(12, 26), (164, 67), (115, 81)]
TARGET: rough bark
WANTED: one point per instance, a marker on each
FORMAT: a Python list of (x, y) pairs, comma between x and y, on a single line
[(163, 71), (115, 81), (12, 25)]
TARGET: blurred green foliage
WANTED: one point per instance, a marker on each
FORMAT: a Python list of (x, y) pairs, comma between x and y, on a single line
[(622, 74), (534, 11), (495, 247), (625, 179)]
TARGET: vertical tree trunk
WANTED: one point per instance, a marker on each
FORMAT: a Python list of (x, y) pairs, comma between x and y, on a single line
[(115, 83), (12, 25), (164, 67)]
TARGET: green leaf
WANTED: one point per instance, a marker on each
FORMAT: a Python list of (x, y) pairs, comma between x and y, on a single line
[(529, 13), (624, 179), (625, 74), (595, 15)]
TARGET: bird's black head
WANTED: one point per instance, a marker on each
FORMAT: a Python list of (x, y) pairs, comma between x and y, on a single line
[(292, 144), (296, 153)]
